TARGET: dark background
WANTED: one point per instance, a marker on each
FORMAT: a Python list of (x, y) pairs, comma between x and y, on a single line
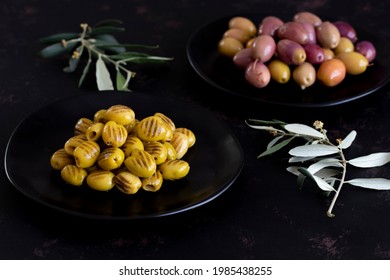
[(262, 215)]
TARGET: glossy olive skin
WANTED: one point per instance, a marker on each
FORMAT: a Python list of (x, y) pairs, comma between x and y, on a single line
[(345, 45), (269, 25), (86, 154), (328, 35), (94, 131), (114, 134), (238, 34), (304, 75), (101, 180), (60, 159), (111, 158), (311, 32), (151, 128), (141, 163), (346, 30), (367, 49), (290, 52), (307, 17), (180, 143), (229, 46), (153, 183), (73, 175), (127, 182), (120, 114), (131, 143), (280, 71), (294, 31), (174, 169), (314, 54), (82, 125), (257, 74), (190, 134), (243, 58), (244, 24), (157, 150), (263, 48), (171, 152), (355, 62), (331, 72)]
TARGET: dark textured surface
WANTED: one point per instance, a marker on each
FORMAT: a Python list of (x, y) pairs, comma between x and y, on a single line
[(263, 215)]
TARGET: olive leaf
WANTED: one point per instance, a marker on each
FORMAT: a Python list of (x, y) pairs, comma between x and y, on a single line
[(276, 147), (372, 160), (347, 141), (314, 150), (371, 183), (327, 162), (56, 49), (103, 78), (55, 38), (321, 183), (302, 129), (121, 81)]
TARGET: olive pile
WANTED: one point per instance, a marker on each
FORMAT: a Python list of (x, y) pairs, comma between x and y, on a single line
[(305, 48), (117, 150)]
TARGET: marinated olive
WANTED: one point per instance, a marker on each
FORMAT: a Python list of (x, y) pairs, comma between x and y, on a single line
[(331, 72), (257, 74), (114, 134), (328, 54), (328, 35), (190, 135), (120, 114), (229, 46), (243, 23), (355, 62), (157, 150), (345, 45), (127, 182), (141, 163), (171, 152), (86, 154), (153, 183), (101, 180), (243, 58), (290, 52), (99, 116), (111, 158), (180, 142), (151, 129), (307, 17), (304, 75), (294, 31), (346, 30), (263, 48), (73, 142), (367, 49), (81, 126), (239, 34), (280, 71), (174, 169), (314, 54), (73, 175), (60, 159), (94, 131), (132, 142), (269, 25)]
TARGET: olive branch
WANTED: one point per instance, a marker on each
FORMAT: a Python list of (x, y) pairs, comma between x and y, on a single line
[(328, 164), (99, 43)]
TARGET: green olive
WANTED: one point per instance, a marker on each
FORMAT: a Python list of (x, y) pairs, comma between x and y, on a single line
[(151, 129), (131, 143), (243, 23), (174, 169), (355, 62), (345, 45), (127, 182), (153, 183), (101, 180), (181, 144), (229, 46), (171, 152), (86, 154), (60, 159), (157, 150), (280, 71), (82, 125), (73, 175), (111, 158), (121, 114), (94, 131), (114, 134), (141, 163)]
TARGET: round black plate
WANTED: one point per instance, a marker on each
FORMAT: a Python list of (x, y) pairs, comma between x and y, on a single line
[(216, 159), (220, 72)]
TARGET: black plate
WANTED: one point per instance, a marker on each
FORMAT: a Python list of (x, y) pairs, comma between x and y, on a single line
[(216, 159), (220, 72)]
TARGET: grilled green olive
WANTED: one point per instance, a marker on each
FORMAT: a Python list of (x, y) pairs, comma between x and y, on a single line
[(169, 124), (101, 180), (153, 183), (73, 175), (73, 142), (86, 154), (127, 182), (114, 134), (60, 159), (151, 129), (141, 163), (94, 131), (190, 135), (181, 143), (120, 114), (132, 142), (81, 126), (174, 169), (111, 158), (171, 152), (100, 116), (157, 150)]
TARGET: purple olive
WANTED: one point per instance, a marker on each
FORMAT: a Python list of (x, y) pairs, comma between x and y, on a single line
[(290, 52), (346, 30), (367, 49), (293, 31), (311, 32), (258, 74), (314, 53), (263, 48), (269, 25), (243, 58)]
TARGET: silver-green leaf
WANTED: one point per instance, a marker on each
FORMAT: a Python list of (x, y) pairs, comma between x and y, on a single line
[(372, 160), (103, 78), (327, 162), (347, 142), (302, 129), (371, 183), (276, 147), (314, 150)]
